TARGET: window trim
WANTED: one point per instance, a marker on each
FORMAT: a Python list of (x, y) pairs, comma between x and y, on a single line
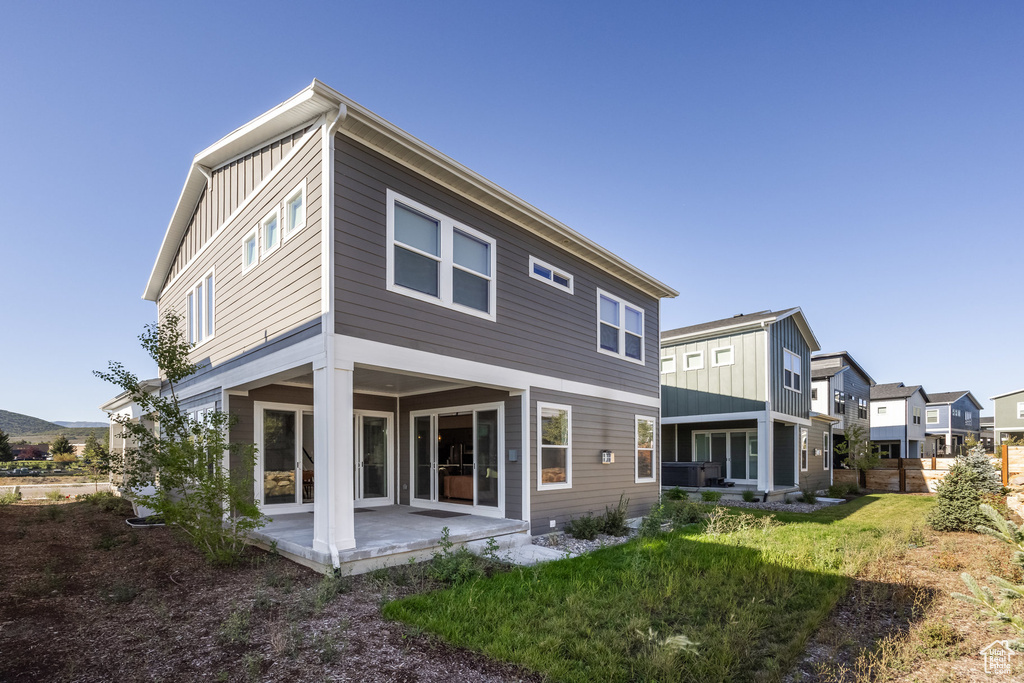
[(805, 459), (928, 413), (534, 261), (446, 259), (882, 410), (567, 484), (826, 448), (786, 353), (637, 479), (916, 415), (671, 365), (1020, 410), (732, 356), (274, 213), (253, 234), (687, 366), (622, 328), (209, 302), (286, 230)]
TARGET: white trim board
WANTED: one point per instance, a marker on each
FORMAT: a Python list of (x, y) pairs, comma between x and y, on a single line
[(714, 417)]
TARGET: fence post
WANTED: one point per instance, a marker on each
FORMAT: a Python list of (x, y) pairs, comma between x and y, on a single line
[(1006, 464), (933, 463), (903, 476)]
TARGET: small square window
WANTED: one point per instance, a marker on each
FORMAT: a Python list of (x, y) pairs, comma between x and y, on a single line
[(723, 355), (295, 211), (668, 364), (882, 410), (693, 360), (270, 229)]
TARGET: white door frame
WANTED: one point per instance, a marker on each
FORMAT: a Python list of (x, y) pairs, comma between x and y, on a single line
[(257, 409), (434, 503), (357, 440), (747, 431)]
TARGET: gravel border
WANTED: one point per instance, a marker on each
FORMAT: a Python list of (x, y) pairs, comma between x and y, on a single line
[(563, 542)]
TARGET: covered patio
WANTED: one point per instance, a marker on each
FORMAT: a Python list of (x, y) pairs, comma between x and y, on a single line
[(387, 536)]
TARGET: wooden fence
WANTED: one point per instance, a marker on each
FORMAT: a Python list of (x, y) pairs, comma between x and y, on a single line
[(922, 475)]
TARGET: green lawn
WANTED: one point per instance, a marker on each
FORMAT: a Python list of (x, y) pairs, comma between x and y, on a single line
[(748, 599)]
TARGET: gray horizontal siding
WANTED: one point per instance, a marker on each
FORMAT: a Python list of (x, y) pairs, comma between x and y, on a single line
[(1006, 412), (893, 433), (816, 477), (597, 425), (539, 328)]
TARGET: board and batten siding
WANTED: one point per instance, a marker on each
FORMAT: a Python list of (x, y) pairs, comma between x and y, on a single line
[(539, 328), (856, 387), (725, 389), (230, 185), (785, 334), (280, 293), (597, 425)]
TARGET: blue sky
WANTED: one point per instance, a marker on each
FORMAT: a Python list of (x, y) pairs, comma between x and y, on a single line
[(861, 160)]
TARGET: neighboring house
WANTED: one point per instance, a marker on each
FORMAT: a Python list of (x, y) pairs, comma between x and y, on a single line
[(897, 419), (122, 406), (841, 388), (987, 433), (1009, 416), (951, 418), (398, 335), (736, 392)]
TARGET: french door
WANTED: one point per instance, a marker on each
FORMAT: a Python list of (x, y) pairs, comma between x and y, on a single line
[(284, 465), (736, 451), (374, 455), (455, 458)]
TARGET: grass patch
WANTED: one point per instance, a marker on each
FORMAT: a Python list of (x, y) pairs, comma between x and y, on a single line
[(679, 606), (9, 497)]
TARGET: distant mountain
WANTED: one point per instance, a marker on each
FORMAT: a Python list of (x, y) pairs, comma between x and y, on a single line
[(16, 424), (80, 425)]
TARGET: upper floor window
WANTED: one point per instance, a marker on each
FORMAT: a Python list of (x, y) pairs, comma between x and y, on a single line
[(200, 310), (295, 210), (968, 418), (644, 467), (839, 401), (862, 408), (270, 229), (791, 370), (620, 327), (723, 355), (1020, 410), (435, 259), (957, 412), (931, 416), (693, 360), (814, 394), (882, 410), (545, 272), (668, 364), (250, 251), (554, 434), (917, 415)]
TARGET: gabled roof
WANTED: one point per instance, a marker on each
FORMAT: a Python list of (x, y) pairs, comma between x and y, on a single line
[(847, 358), (742, 322), (319, 100), (123, 399), (884, 392), (1008, 393), (952, 397), (826, 372)]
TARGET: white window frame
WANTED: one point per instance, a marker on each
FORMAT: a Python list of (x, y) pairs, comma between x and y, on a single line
[(929, 414), (804, 456), (826, 449), (289, 230), (714, 356), (668, 365), (697, 358), (254, 235), (637, 479), (208, 310), (534, 261), (786, 355), (567, 484), (446, 262), (623, 304), (1020, 410), (883, 410), (266, 249)]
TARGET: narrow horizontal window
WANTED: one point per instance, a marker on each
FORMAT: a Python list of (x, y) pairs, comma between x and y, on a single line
[(545, 272), (722, 356), (668, 364), (693, 360)]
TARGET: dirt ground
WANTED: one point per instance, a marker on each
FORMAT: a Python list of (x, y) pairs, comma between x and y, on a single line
[(86, 598)]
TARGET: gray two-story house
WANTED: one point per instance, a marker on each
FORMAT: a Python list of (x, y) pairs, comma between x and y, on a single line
[(403, 339), (1008, 421), (951, 418), (897, 419), (736, 392), (841, 388)]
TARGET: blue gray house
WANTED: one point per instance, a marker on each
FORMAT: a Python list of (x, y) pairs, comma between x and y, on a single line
[(951, 417)]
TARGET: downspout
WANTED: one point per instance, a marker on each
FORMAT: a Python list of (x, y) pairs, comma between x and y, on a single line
[(769, 448)]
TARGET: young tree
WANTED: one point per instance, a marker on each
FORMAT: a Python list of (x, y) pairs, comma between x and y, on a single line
[(182, 460), (989, 478), (958, 501), (95, 458), (6, 452), (860, 453), (62, 450)]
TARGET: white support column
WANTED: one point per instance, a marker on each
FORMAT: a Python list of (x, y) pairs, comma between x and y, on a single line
[(333, 495), (764, 457)]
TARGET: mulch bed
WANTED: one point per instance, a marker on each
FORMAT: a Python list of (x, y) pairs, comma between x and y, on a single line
[(86, 598)]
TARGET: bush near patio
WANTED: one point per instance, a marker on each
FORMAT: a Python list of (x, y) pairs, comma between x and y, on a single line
[(676, 606)]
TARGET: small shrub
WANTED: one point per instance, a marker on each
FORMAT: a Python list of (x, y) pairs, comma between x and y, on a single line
[(808, 496), (9, 497), (53, 513), (936, 635), (333, 584), (683, 512), (749, 496), (615, 520), (836, 491), (675, 494), (585, 528), (235, 629), (107, 501), (326, 647), (711, 496), (107, 541), (949, 562), (453, 567), (957, 501), (55, 495), (651, 524), (121, 593), (253, 664)]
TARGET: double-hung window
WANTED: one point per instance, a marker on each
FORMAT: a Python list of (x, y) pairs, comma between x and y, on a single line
[(554, 446), (433, 258), (644, 468), (620, 327), (200, 310), (791, 370), (931, 416), (917, 415)]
